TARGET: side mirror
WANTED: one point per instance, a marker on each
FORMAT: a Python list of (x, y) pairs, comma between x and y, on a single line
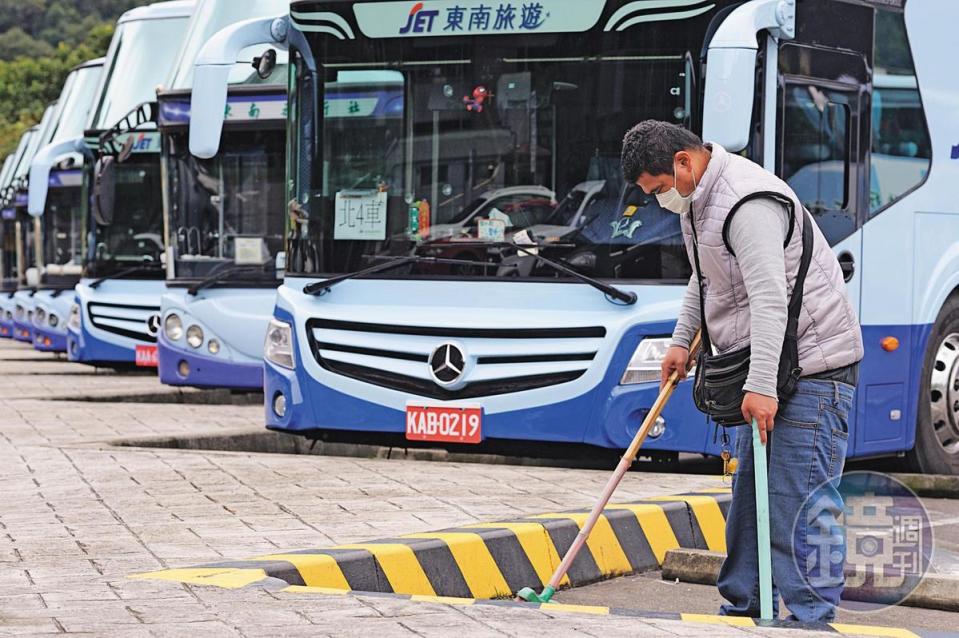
[(265, 64), (104, 190)]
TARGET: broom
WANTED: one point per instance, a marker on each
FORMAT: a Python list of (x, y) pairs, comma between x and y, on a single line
[(527, 593)]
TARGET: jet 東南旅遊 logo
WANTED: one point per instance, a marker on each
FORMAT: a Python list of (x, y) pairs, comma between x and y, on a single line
[(419, 21), (477, 18)]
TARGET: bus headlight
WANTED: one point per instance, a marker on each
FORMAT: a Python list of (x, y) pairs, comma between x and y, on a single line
[(194, 336), (54, 320), (173, 327), (74, 320), (278, 347), (644, 366), (39, 316)]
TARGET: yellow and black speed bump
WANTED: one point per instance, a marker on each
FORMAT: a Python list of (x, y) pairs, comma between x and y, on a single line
[(473, 564), (490, 560)]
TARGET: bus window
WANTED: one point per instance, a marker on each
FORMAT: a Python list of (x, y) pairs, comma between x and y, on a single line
[(815, 155), (900, 149)]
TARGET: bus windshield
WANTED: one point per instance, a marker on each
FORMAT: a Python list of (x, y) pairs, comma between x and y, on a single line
[(459, 158), (140, 57), (135, 238), (62, 232), (228, 211), (8, 254)]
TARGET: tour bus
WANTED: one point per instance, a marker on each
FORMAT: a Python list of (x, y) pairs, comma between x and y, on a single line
[(11, 257), (849, 101), (115, 317), (54, 198), (8, 254), (223, 215), (28, 232)]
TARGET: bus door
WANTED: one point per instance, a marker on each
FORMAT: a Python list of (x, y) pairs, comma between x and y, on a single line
[(823, 133)]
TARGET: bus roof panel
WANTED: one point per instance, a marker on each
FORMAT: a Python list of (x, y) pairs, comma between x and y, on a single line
[(139, 60), (210, 17)]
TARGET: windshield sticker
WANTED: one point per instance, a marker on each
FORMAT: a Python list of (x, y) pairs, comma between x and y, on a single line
[(475, 17), (360, 214), (249, 250), (491, 230)]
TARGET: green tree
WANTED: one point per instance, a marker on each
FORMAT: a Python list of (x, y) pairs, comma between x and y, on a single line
[(40, 41), (17, 43), (28, 84)]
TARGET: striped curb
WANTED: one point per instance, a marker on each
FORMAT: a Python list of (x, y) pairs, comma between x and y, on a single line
[(489, 560), (480, 563)]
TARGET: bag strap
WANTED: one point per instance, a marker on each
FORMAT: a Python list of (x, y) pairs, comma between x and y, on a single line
[(795, 300), (707, 345), (773, 195)]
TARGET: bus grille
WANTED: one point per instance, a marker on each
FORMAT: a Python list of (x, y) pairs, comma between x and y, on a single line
[(502, 360), (125, 320)]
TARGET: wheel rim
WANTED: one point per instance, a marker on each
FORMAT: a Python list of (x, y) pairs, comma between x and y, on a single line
[(944, 394)]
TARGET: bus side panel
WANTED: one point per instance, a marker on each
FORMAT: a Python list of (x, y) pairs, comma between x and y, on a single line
[(888, 392)]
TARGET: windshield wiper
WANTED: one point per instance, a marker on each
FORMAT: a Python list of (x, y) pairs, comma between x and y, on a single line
[(628, 297), (120, 274), (322, 287), (220, 275)]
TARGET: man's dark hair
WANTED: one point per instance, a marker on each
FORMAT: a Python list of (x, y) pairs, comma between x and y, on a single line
[(649, 147)]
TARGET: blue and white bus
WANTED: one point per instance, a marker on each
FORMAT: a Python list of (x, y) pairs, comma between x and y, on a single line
[(116, 314), (55, 199), (28, 231), (8, 250), (525, 330), (223, 214)]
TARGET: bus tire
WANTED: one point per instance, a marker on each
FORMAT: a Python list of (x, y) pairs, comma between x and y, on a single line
[(937, 419)]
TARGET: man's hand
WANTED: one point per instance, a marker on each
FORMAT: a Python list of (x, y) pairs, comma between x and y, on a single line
[(763, 409), (675, 360)]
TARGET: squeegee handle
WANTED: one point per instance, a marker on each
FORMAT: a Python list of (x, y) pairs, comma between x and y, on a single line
[(622, 467)]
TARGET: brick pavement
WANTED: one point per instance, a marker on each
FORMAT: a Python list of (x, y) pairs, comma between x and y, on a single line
[(78, 516)]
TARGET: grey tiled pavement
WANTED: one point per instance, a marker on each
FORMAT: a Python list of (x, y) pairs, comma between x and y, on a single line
[(78, 516)]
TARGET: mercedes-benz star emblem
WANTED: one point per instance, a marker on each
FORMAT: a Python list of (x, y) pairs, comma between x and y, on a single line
[(447, 364), (153, 324)]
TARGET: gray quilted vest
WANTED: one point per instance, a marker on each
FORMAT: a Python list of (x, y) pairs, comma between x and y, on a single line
[(829, 333)]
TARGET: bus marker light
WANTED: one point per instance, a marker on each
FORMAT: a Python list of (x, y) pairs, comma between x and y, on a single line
[(889, 344), (183, 368)]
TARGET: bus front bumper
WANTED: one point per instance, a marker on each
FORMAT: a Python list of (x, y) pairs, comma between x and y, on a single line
[(181, 367), (22, 332), (49, 341)]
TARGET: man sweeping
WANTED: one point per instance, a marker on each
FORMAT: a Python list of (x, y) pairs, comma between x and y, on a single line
[(798, 347)]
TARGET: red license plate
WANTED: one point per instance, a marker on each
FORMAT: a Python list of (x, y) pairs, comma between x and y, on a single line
[(447, 424), (146, 356)]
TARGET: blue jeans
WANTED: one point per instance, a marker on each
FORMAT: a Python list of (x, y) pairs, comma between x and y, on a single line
[(806, 451)]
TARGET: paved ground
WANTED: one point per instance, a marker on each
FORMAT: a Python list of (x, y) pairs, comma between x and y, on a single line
[(649, 591), (78, 516)]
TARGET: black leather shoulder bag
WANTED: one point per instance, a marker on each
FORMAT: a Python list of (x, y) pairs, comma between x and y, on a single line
[(718, 385)]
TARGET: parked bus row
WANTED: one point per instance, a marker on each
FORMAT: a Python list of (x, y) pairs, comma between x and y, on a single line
[(394, 214)]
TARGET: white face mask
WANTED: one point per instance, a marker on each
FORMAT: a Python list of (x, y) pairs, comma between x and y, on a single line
[(672, 201)]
